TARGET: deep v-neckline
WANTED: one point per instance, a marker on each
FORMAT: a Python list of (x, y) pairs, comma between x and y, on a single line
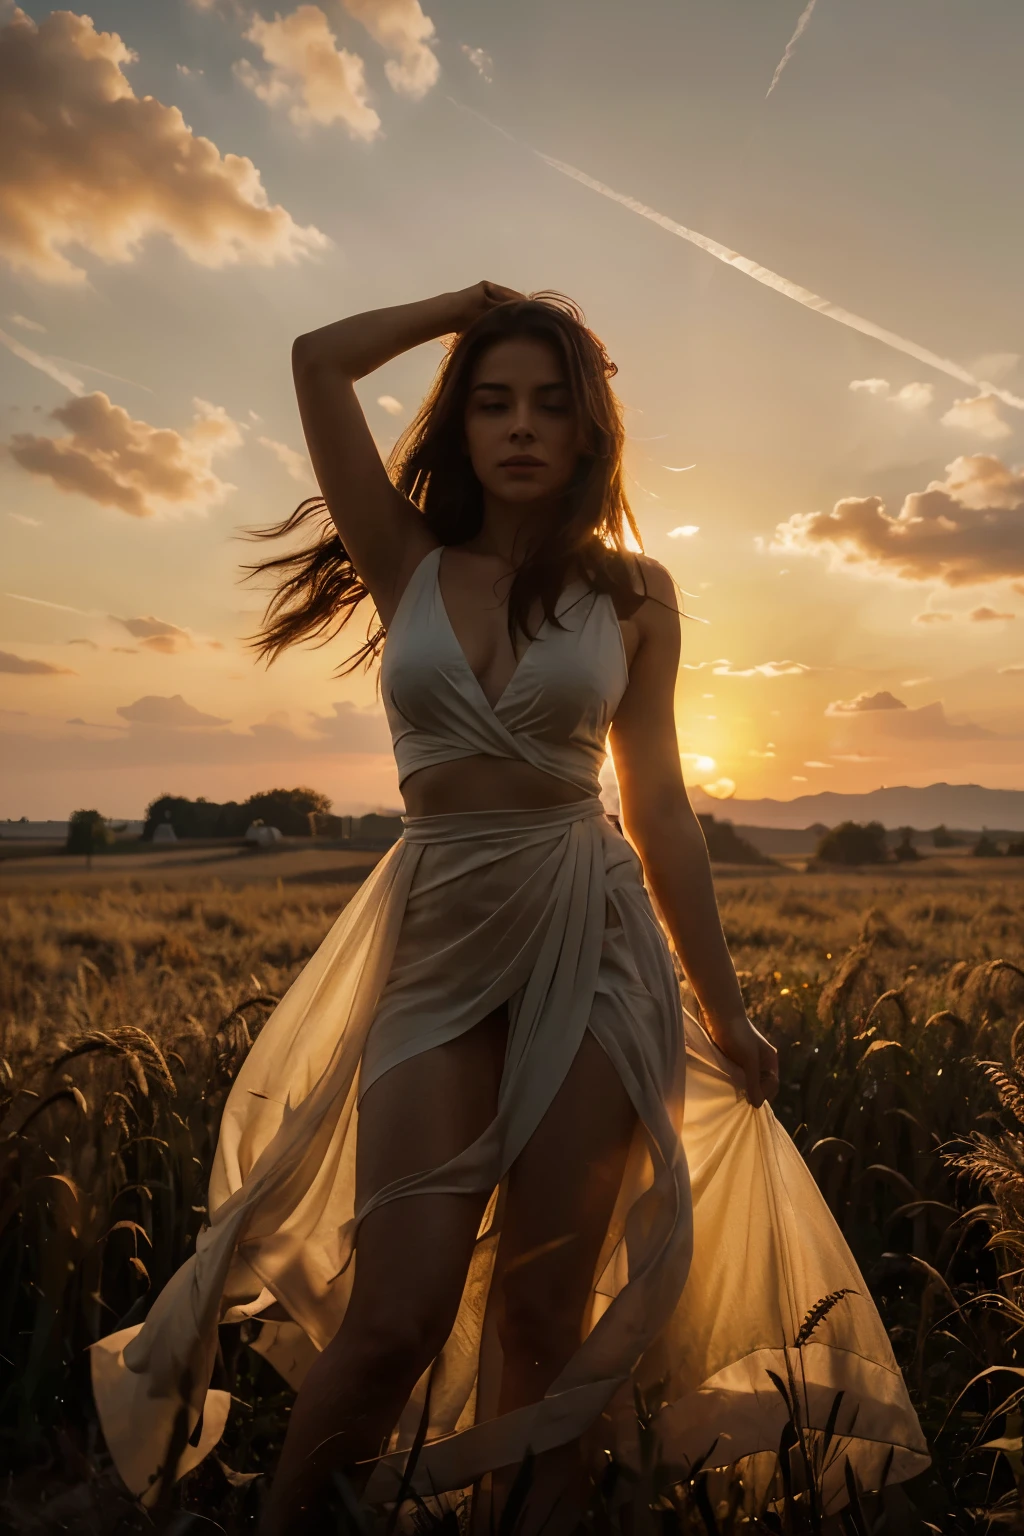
[(439, 596)]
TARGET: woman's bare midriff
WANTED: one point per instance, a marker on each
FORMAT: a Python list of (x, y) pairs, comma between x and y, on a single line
[(484, 784)]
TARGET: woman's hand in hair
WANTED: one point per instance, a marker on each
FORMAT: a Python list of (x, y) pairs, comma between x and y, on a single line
[(470, 303)]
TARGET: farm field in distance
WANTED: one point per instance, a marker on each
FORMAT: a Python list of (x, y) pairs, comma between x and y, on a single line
[(130, 992)]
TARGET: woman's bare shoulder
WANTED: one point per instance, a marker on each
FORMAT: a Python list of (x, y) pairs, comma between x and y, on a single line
[(657, 590)]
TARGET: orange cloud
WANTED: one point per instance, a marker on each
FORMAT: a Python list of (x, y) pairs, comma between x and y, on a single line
[(118, 461), (156, 635), (986, 615), (401, 29), (171, 713), (20, 665), (87, 162), (865, 703), (965, 530), (308, 73)]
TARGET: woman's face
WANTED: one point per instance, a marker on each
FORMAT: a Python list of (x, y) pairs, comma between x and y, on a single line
[(521, 430)]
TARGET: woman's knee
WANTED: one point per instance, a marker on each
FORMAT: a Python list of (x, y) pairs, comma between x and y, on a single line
[(388, 1350)]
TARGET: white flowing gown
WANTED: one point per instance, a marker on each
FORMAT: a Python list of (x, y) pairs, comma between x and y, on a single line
[(720, 1241)]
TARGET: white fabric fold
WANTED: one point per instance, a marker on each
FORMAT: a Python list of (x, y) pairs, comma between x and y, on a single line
[(545, 911)]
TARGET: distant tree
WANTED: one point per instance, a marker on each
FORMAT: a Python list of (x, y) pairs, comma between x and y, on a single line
[(195, 818), (1015, 850), (986, 847), (287, 809), (943, 838), (87, 833), (852, 842), (905, 852), (726, 846)]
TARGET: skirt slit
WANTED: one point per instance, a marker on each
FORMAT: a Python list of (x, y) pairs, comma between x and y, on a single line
[(543, 913)]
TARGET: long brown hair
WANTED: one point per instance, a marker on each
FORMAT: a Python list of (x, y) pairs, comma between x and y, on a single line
[(317, 586)]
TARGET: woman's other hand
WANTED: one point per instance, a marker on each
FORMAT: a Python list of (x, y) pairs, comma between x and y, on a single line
[(755, 1056), (470, 303)]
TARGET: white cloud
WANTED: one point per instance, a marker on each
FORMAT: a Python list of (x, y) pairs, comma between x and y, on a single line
[(761, 669), (686, 531), (170, 713), (390, 404), (309, 74), (401, 29), (912, 397), (290, 459), (814, 764), (871, 386), (480, 60), (980, 415), (118, 461), (720, 789), (23, 517), (89, 164), (27, 324), (965, 530)]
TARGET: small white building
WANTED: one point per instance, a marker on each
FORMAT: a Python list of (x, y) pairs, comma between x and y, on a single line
[(262, 836), (163, 832)]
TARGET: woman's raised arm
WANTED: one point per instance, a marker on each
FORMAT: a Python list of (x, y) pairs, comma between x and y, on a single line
[(382, 532)]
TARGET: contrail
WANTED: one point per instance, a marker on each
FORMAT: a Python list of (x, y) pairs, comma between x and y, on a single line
[(47, 365), (41, 602), (760, 274), (801, 28), (54, 367), (784, 286)]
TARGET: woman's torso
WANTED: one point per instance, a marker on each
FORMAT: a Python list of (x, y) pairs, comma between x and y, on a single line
[(452, 682)]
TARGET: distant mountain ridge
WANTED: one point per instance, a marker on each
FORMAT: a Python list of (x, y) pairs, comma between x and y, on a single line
[(969, 807)]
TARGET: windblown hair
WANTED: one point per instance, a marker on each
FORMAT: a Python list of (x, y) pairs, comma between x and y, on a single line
[(317, 586)]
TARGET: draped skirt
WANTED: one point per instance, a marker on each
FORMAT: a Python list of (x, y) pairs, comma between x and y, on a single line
[(718, 1246)]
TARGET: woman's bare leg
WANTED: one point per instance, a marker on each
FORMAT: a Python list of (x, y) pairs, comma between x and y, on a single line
[(561, 1194), (410, 1267)]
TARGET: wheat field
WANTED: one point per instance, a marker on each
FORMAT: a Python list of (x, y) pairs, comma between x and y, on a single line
[(126, 1008)]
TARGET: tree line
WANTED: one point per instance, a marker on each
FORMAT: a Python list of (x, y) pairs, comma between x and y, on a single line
[(289, 810)]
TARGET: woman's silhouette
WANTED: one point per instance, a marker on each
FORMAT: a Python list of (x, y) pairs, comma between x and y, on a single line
[(452, 1177)]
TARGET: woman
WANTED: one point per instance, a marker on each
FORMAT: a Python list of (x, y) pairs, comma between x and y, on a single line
[(452, 1174)]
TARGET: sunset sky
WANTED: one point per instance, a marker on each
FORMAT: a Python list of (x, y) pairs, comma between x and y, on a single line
[(186, 186)]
